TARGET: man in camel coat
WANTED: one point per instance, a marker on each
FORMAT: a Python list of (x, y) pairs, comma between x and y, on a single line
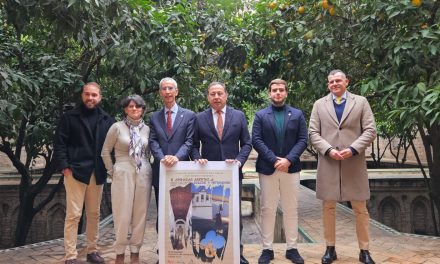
[(341, 128)]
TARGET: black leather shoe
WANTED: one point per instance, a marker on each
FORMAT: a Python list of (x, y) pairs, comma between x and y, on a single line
[(266, 256), (364, 257), (329, 255), (243, 260), (294, 256), (70, 261), (95, 258)]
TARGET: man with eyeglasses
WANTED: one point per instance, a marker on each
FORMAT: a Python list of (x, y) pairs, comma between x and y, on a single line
[(171, 132)]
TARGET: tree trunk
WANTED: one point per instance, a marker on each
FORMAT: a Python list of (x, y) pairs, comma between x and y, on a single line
[(24, 220), (434, 170)]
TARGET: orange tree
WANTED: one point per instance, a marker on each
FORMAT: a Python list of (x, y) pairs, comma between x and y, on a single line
[(390, 49), (48, 49)]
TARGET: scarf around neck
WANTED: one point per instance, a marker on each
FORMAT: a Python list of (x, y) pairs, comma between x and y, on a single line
[(135, 148)]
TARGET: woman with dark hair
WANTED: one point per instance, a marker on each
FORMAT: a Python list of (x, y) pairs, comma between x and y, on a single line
[(131, 177)]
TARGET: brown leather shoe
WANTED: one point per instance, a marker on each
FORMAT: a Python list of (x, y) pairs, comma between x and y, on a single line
[(134, 258), (120, 259), (70, 261), (94, 257)]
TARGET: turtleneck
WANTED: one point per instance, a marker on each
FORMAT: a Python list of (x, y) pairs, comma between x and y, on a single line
[(278, 114), (91, 117), (278, 108)]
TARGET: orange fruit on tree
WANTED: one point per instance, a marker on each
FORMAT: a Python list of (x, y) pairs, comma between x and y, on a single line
[(272, 5), (416, 3), (301, 9), (325, 4), (424, 26), (308, 35), (332, 11)]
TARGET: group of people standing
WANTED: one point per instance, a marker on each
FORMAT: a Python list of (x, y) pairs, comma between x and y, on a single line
[(90, 146)]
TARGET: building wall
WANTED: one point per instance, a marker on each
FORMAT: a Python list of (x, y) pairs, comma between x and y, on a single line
[(47, 224)]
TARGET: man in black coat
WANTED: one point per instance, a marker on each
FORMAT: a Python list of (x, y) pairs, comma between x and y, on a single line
[(77, 149)]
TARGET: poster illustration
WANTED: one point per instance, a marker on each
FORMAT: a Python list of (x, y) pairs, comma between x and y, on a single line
[(198, 213)]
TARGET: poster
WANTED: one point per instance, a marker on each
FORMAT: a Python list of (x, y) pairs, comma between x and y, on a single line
[(198, 213)]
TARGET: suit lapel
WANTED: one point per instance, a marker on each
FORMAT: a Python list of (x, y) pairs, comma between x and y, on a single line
[(228, 120), (331, 108), (210, 121), (349, 104), (161, 117), (287, 117), (271, 119), (177, 121)]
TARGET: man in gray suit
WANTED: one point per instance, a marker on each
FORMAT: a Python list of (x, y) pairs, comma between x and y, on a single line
[(341, 128), (221, 134), (171, 132)]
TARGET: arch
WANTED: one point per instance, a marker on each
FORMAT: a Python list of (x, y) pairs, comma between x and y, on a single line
[(420, 216), (55, 221), (389, 213)]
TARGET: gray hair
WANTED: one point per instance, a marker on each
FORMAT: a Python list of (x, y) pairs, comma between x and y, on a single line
[(137, 99), (168, 79), (334, 72)]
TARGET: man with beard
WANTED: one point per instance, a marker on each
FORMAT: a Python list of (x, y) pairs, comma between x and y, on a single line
[(279, 135), (77, 150)]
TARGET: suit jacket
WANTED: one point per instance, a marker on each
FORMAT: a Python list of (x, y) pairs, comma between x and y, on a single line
[(76, 147), (179, 143), (264, 139), (344, 180), (235, 143)]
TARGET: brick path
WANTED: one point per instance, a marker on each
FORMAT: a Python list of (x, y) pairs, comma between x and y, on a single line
[(387, 245)]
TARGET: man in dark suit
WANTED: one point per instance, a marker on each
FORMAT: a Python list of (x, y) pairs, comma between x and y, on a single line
[(279, 135), (77, 152), (223, 134), (171, 132)]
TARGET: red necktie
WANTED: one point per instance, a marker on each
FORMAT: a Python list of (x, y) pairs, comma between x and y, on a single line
[(219, 124), (169, 121)]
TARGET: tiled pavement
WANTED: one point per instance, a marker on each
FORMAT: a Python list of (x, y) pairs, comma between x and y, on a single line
[(387, 246)]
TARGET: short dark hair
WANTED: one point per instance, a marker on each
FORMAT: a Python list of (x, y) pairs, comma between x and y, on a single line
[(91, 84), (277, 81), (217, 83), (137, 99)]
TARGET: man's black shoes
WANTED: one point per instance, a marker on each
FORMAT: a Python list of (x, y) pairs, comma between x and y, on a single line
[(329, 255), (294, 256), (364, 257), (266, 256)]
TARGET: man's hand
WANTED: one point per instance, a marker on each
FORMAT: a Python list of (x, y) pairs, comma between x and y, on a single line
[(282, 164), (233, 161), (201, 161), (346, 153), (169, 160), (336, 155), (67, 172)]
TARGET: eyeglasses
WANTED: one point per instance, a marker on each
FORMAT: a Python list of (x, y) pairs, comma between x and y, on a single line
[(134, 106), (167, 88)]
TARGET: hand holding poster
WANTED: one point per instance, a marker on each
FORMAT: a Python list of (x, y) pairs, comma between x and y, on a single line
[(198, 213)]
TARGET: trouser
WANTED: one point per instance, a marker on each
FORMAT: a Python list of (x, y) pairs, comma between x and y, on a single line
[(284, 186), (130, 200), (362, 222), (78, 194)]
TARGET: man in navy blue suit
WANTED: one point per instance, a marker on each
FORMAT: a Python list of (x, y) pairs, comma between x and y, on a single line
[(171, 132), (279, 135), (221, 134)]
